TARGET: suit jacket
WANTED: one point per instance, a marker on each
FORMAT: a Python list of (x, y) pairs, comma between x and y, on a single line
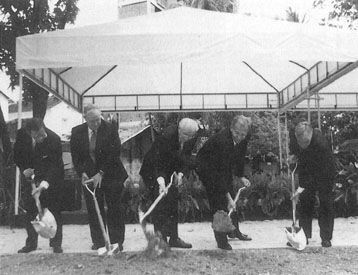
[(315, 163), (46, 160), (164, 157), (107, 152), (23, 151), (218, 160)]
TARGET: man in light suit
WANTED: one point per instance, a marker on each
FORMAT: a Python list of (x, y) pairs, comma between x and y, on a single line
[(95, 149)]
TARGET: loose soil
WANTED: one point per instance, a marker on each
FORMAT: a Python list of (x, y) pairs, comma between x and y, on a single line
[(313, 260)]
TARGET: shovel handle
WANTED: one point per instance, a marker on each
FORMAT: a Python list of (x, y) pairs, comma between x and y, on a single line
[(236, 199), (157, 200)]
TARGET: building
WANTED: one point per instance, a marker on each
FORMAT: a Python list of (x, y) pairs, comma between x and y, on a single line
[(130, 8), (59, 117)]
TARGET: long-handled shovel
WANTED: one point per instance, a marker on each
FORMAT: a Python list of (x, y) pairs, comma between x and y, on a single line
[(222, 221), (156, 245), (109, 248), (44, 224), (295, 234)]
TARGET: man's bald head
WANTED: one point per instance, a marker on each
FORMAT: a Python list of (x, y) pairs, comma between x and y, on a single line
[(303, 133), (187, 129), (92, 115)]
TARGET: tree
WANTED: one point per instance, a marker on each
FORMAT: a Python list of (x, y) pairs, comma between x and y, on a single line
[(23, 17), (346, 10), (293, 16), (214, 5)]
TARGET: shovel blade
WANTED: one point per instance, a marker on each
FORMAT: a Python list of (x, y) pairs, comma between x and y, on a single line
[(296, 237), (46, 226), (222, 222)]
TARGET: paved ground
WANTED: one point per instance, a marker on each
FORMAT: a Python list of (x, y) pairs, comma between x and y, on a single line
[(265, 234)]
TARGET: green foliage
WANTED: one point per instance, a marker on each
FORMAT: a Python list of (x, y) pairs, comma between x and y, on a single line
[(23, 17), (213, 5), (341, 9)]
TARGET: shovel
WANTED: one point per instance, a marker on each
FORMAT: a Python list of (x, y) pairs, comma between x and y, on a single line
[(44, 223), (156, 245), (295, 234), (109, 248), (222, 221)]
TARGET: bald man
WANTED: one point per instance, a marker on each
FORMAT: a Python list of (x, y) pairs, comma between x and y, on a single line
[(171, 152), (95, 149), (316, 172), (221, 158)]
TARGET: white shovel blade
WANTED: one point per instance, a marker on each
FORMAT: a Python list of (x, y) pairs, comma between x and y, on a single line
[(297, 239), (46, 227), (103, 251)]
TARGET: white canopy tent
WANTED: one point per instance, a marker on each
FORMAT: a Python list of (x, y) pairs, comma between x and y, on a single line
[(188, 59), (182, 59)]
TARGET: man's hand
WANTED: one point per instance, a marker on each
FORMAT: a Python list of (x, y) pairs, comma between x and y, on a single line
[(245, 182), (230, 202), (296, 196), (180, 178), (28, 173), (44, 185), (97, 180), (84, 178), (161, 183)]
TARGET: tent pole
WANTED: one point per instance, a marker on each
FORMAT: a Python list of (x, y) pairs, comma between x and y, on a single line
[(181, 85), (19, 114), (308, 98), (319, 111), (151, 127), (279, 139), (286, 141)]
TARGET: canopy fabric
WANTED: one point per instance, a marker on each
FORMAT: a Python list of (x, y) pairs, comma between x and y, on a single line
[(186, 51)]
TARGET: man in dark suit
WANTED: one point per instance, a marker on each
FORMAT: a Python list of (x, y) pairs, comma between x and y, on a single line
[(222, 157), (171, 152), (95, 149), (316, 172), (38, 153)]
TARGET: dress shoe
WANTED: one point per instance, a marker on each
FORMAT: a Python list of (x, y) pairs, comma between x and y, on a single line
[(57, 249), (94, 247), (326, 243), (179, 243), (224, 246), (237, 234), (26, 249), (243, 237)]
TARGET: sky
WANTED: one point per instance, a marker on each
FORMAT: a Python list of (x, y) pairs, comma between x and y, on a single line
[(100, 11)]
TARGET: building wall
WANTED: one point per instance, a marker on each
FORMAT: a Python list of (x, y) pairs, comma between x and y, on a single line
[(4, 103), (61, 119), (131, 10)]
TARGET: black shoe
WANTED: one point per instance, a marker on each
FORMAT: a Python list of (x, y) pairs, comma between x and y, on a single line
[(237, 234), (326, 243), (224, 246), (179, 243), (26, 249), (57, 249), (243, 237), (94, 247), (120, 247)]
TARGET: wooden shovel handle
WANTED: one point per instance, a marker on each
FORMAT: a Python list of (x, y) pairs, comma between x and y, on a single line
[(236, 199)]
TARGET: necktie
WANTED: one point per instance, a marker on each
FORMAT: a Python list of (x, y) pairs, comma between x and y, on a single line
[(92, 146)]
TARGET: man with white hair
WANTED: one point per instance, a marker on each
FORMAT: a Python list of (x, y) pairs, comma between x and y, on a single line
[(316, 172), (95, 149), (221, 158), (171, 152)]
